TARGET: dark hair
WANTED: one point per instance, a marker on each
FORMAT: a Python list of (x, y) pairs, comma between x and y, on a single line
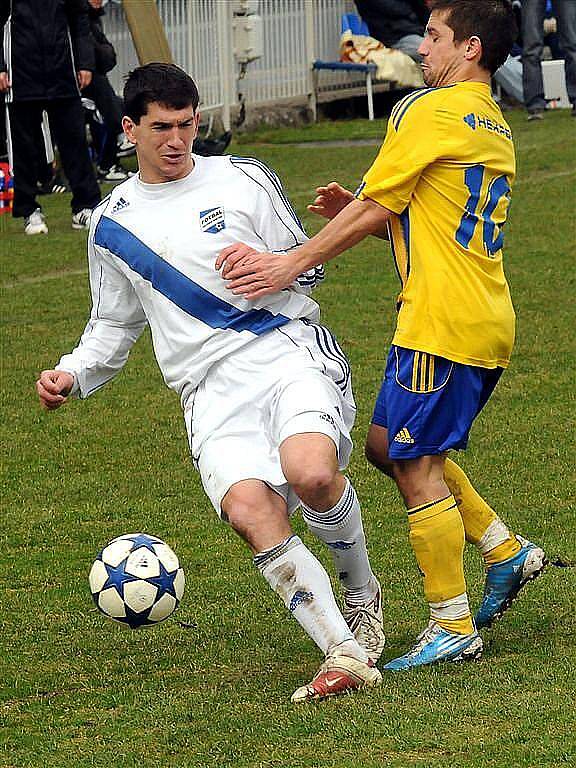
[(493, 21), (164, 84)]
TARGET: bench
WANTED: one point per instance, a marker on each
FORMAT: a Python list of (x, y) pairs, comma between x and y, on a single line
[(352, 22)]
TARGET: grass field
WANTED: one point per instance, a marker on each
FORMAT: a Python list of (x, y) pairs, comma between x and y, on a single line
[(211, 687)]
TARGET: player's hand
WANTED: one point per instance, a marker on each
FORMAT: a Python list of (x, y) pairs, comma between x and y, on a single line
[(252, 274), (53, 387), (4, 82), (330, 200), (233, 255), (84, 77)]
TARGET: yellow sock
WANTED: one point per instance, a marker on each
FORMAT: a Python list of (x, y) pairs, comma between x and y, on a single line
[(437, 537), (482, 525)]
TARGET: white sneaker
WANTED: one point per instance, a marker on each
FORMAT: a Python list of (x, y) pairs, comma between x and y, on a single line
[(35, 224), (81, 220), (125, 147), (338, 674), (114, 174), (366, 623)]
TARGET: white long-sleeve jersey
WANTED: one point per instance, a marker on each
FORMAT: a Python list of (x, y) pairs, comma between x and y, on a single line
[(152, 250)]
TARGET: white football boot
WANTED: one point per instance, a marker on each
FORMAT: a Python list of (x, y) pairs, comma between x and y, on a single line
[(366, 623), (338, 674)]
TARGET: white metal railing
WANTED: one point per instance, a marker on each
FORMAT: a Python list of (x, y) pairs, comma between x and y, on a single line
[(199, 34)]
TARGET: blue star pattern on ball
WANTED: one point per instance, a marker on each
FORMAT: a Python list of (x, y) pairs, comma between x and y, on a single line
[(117, 577), (165, 581), (135, 620), (143, 540)]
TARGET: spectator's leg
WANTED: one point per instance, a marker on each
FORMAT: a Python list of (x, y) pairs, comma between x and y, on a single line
[(409, 45), (103, 95), (509, 78), (533, 45), (25, 118), (67, 121), (566, 19)]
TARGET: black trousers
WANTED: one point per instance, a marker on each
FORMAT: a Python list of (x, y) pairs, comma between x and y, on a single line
[(66, 118), (110, 107)]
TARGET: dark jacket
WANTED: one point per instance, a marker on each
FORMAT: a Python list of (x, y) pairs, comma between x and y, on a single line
[(389, 20), (41, 64), (104, 53)]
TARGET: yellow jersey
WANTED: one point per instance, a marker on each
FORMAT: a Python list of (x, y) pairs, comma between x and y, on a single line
[(445, 170)]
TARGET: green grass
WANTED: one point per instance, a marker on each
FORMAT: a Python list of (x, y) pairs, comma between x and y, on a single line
[(211, 687), (325, 130)]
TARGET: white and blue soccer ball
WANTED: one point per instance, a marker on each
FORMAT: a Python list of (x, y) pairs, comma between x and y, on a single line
[(137, 580)]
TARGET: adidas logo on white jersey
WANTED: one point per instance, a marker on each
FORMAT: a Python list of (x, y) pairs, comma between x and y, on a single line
[(404, 436), (120, 205)]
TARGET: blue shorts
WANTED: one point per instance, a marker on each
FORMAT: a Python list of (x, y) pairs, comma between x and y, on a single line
[(428, 403)]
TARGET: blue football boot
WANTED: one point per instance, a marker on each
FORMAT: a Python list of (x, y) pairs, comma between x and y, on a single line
[(504, 581), (437, 644)]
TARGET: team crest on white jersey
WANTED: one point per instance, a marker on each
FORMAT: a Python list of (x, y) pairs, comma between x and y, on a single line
[(212, 220)]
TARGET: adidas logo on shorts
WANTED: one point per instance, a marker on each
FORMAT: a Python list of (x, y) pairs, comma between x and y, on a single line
[(404, 436)]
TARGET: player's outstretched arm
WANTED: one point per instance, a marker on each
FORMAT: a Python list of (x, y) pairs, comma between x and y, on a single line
[(260, 274), (330, 200), (53, 387)]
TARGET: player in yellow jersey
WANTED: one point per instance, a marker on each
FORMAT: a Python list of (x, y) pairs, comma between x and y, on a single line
[(440, 190)]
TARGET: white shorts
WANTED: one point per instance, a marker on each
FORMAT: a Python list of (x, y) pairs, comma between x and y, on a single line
[(292, 380)]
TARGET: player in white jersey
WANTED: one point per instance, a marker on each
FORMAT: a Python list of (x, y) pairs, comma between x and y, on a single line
[(265, 389)]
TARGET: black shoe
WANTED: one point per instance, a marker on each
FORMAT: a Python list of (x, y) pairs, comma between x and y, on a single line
[(54, 186), (207, 147)]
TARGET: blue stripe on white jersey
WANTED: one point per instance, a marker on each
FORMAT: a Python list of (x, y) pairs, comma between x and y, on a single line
[(177, 287)]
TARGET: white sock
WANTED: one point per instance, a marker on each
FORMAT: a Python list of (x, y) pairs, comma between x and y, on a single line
[(341, 529), (496, 533), (302, 583), (450, 610)]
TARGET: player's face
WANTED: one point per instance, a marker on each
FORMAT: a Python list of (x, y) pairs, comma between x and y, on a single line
[(163, 139), (441, 56)]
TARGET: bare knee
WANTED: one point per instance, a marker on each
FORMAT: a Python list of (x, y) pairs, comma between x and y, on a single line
[(240, 511), (310, 465), (319, 486), (420, 480), (256, 514)]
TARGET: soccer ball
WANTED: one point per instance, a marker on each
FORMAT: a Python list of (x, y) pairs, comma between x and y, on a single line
[(137, 580)]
